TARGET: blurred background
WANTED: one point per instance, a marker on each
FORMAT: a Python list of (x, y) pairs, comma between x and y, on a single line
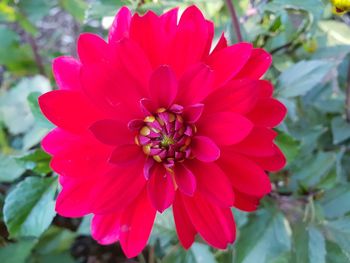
[(306, 218)]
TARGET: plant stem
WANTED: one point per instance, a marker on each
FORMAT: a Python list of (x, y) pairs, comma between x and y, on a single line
[(234, 18), (347, 102), (37, 57)]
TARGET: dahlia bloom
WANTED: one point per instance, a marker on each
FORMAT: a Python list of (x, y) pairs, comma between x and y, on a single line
[(155, 117)]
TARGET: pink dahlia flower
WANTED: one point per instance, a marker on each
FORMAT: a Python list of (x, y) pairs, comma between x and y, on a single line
[(155, 117)]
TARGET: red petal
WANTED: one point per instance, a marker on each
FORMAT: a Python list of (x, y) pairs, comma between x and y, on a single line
[(120, 27), (56, 140), (106, 228), (258, 63), (268, 112), (222, 43), (126, 154), (92, 48), (265, 89), (190, 41), (77, 196), (185, 179), (134, 60), (66, 71), (225, 128), (204, 149), (195, 84), (245, 176), (120, 187), (163, 86), (184, 228), (212, 183), (247, 203), (192, 113), (69, 110), (112, 132), (272, 163), (239, 96), (112, 90), (161, 189), (258, 143), (136, 225), (227, 62), (214, 224)]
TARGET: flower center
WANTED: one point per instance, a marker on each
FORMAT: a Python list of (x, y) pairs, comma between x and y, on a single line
[(166, 137)]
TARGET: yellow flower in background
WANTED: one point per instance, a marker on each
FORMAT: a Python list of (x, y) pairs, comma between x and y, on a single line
[(340, 7)]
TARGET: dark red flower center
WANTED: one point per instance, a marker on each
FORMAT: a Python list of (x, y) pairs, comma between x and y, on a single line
[(166, 137)]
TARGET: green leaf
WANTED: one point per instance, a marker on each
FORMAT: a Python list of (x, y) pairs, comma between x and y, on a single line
[(338, 32), (340, 130), (269, 237), (37, 161), (84, 227), (302, 77), (339, 232), (10, 169), (289, 146), (29, 208), (76, 8), (317, 245), (336, 201), (14, 106), (198, 253), (35, 109), (314, 168), (17, 252), (335, 253)]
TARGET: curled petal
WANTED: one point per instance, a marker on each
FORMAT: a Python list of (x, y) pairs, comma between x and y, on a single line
[(120, 27)]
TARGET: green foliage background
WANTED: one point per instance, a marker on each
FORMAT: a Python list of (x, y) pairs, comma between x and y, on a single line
[(306, 219)]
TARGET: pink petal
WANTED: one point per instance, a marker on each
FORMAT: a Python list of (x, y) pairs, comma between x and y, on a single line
[(161, 189), (239, 96), (69, 110), (227, 62), (225, 128), (257, 65), (214, 224), (136, 225), (92, 48), (120, 26), (192, 113), (245, 175), (210, 27), (126, 154), (185, 179), (258, 143), (213, 183), (268, 112), (195, 84), (66, 71), (184, 228), (169, 21), (204, 149), (106, 228), (111, 132), (163, 86)]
